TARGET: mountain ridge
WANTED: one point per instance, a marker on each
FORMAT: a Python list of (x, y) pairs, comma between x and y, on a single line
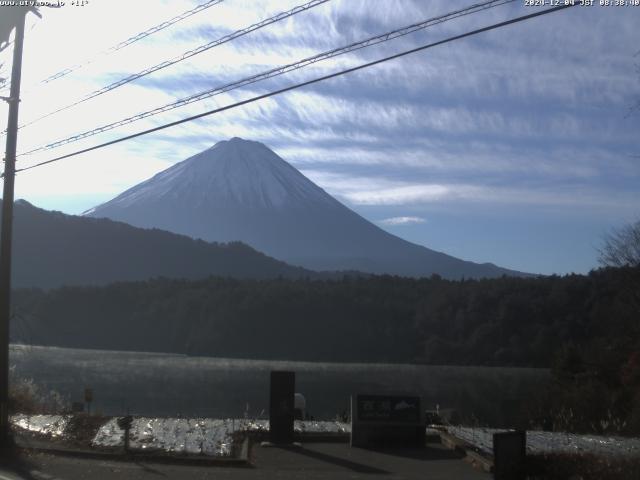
[(242, 190), (52, 249)]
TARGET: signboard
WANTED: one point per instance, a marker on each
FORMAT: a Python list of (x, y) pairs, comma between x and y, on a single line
[(387, 420), (385, 408), (281, 407)]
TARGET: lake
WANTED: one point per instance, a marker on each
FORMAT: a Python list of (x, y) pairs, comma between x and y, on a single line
[(156, 384)]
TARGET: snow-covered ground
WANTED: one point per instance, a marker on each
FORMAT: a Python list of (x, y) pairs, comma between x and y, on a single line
[(193, 436), (214, 437), (204, 436), (52, 425), (180, 435), (299, 426), (546, 442)]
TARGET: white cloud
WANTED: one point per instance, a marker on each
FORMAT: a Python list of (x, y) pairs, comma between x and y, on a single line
[(383, 192), (400, 195), (393, 221)]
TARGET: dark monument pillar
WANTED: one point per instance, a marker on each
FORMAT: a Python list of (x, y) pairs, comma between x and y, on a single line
[(509, 455), (281, 407)]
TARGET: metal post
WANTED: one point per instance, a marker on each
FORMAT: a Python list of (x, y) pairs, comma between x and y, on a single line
[(5, 238)]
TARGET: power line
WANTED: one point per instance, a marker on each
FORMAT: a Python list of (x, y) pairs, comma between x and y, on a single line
[(281, 70), (133, 39), (227, 38), (303, 84), (164, 25)]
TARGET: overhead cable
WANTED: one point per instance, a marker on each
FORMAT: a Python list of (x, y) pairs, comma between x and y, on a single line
[(131, 40), (303, 84), (188, 54), (274, 72)]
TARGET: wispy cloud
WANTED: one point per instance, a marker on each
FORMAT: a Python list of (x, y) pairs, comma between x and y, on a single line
[(382, 192), (526, 117), (394, 221)]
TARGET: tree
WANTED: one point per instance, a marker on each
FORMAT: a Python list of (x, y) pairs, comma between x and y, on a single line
[(622, 247)]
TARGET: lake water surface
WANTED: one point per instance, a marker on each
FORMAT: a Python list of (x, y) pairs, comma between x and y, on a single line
[(157, 384)]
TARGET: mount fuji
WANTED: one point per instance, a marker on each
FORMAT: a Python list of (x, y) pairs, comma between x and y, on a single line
[(242, 190)]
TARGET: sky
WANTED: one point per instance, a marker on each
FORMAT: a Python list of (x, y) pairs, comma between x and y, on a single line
[(517, 146)]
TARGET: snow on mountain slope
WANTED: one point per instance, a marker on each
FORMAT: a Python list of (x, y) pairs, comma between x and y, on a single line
[(241, 190), (231, 172)]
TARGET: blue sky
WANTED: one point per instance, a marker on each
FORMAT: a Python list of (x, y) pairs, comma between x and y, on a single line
[(515, 147)]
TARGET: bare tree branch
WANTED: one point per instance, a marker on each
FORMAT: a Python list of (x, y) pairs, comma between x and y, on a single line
[(622, 247)]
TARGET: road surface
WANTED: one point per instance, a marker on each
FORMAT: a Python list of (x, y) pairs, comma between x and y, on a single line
[(312, 461)]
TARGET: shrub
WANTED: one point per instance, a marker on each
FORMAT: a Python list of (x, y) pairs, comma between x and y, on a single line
[(25, 396)]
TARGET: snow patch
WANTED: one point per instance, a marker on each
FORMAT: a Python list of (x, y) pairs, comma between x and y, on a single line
[(556, 442), (191, 436), (235, 171), (51, 425), (197, 436)]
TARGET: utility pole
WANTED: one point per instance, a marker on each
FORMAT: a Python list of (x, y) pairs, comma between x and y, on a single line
[(6, 235)]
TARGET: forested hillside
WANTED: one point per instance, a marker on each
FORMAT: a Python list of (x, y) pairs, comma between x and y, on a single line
[(586, 328), (52, 249), (507, 321)]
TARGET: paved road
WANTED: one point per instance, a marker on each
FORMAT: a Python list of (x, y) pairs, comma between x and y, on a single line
[(312, 461), (9, 475)]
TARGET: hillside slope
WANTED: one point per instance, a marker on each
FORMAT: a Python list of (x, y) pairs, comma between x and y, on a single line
[(52, 249)]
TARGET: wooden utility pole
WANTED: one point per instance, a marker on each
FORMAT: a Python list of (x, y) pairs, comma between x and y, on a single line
[(6, 235)]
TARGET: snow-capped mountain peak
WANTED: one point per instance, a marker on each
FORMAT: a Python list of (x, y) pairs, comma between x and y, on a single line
[(241, 190), (236, 171)]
